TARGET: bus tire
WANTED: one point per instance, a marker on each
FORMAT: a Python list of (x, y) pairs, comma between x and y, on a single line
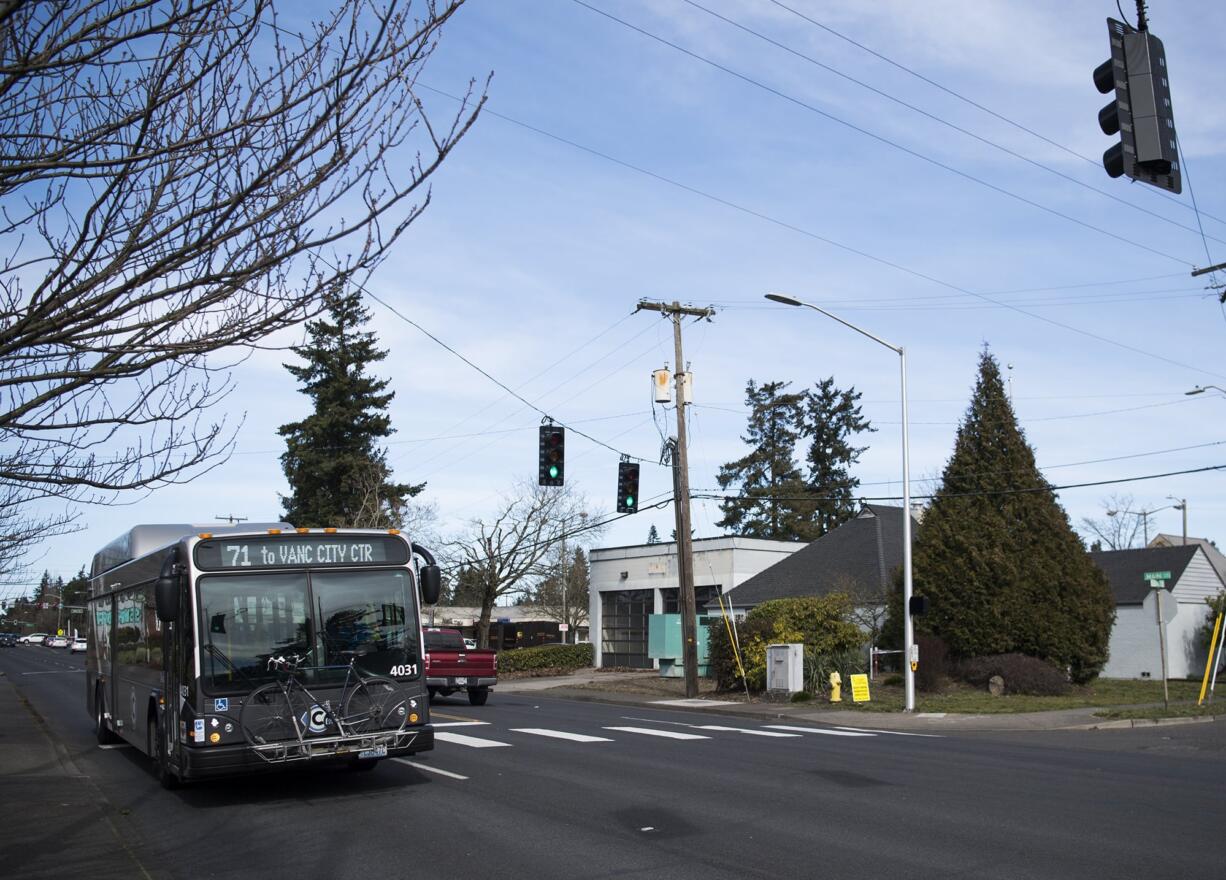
[(166, 777), (101, 732), (363, 764), (478, 696)]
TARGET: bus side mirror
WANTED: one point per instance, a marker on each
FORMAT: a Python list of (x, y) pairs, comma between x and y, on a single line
[(166, 592), (431, 584)]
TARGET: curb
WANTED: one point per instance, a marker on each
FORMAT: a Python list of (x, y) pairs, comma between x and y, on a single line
[(1129, 723)]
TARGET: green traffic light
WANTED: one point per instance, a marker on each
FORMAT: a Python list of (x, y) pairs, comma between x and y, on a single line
[(630, 501), (553, 472)]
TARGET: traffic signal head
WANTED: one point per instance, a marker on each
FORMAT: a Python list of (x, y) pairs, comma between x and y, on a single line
[(627, 487), (552, 469), (1140, 112)]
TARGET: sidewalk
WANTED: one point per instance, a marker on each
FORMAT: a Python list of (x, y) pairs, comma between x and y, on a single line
[(571, 687), (56, 822)]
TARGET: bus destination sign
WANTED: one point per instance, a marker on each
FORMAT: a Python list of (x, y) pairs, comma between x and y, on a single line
[(284, 551)]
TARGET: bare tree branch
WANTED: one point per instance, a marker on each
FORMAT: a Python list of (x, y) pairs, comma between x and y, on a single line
[(181, 179)]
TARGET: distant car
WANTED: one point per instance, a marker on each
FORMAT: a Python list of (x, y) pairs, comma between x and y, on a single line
[(79, 645), (57, 642), (8, 640), (471, 644), (33, 639)]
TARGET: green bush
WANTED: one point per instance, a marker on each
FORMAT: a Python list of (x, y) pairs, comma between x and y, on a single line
[(821, 623), (1022, 674), (546, 657)]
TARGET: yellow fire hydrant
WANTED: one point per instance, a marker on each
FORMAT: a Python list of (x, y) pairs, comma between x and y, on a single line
[(836, 688)]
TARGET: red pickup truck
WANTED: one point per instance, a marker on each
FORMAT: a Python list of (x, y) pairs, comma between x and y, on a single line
[(451, 667)]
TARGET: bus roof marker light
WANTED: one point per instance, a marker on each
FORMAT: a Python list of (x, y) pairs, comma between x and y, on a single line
[(274, 531), (393, 531), (331, 530), (302, 531), (206, 535)]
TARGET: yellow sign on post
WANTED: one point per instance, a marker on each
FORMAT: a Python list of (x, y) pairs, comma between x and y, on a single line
[(859, 688)]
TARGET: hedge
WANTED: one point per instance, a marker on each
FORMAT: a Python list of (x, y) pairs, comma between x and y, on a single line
[(546, 657)]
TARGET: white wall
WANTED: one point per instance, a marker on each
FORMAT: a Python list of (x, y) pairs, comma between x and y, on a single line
[(725, 561), (1134, 639)]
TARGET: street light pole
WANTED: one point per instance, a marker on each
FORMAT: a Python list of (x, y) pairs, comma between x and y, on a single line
[(908, 627)]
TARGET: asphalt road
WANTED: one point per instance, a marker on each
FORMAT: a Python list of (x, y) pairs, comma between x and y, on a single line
[(529, 786)]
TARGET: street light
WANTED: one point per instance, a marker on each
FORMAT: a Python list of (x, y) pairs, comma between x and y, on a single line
[(1201, 389), (1145, 515), (908, 630), (1182, 506)]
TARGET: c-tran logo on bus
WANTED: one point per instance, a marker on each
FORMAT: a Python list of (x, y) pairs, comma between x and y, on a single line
[(316, 719)]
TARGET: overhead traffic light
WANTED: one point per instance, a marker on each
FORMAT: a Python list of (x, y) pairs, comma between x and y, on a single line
[(1141, 112), (552, 471), (627, 487)]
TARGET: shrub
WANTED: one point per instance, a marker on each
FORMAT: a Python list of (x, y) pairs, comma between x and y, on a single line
[(1022, 674), (821, 623), (933, 662), (546, 657)]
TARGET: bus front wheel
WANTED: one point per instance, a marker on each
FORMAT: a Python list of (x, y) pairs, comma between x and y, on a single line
[(101, 732), (157, 751)]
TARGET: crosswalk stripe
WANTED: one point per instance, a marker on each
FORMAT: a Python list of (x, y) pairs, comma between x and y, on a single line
[(820, 730), (892, 732), (743, 730), (561, 734), (667, 734), (459, 723), (472, 742), (417, 765)]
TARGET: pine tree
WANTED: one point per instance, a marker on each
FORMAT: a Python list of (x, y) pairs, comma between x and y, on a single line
[(832, 419), (653, 537), (997, 556), (768, 476), (338, 475)]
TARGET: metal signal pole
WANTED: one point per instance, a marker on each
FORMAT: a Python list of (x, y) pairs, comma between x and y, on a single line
[(681, 497)]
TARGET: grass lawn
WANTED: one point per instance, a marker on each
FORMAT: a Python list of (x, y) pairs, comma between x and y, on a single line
[(1107, 693)]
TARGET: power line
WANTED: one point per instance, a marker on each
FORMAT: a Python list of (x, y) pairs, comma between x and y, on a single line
[(989, 492), (1096, 163), (807, 233), (880, 138), (939, 119)]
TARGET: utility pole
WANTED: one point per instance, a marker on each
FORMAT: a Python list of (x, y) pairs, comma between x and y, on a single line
[(681, 496)]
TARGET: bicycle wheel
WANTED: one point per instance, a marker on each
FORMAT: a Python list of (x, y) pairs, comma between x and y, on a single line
[(374, 704), (268, 716)]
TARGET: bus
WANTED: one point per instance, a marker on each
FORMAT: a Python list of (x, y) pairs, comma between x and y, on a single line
[(218, 650)]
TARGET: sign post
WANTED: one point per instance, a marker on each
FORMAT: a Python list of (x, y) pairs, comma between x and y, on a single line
[(1157, 581)]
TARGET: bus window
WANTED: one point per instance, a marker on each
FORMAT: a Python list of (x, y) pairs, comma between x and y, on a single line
[(245, 620), (367, 615)]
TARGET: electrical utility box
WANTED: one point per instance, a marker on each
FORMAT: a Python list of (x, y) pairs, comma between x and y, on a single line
[(785, 668), (664, 644)]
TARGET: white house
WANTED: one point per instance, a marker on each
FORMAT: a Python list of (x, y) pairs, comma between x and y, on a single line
[(1134, 651), (630, 583)]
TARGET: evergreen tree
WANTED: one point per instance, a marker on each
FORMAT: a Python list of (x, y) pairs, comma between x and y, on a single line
[(997, 556), (832, 419), (768, 476), (653, 537), (338, 475)]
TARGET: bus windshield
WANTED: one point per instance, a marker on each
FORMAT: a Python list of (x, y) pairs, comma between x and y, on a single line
[(364, 615)]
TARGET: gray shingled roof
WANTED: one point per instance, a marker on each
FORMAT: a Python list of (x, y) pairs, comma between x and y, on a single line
[(1124, 569), (865, 550)]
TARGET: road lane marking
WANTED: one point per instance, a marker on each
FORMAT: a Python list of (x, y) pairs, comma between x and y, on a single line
[(820, 730), (115, 746), (436, 714), (742, 730), (472, 742), (458, 723), (416, 766), (561, 734), (53, 672), (891, 732), (694, 701), (667, 734)]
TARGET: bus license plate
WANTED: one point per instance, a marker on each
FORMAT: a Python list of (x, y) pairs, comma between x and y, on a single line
[(376, 752), (461, 681)]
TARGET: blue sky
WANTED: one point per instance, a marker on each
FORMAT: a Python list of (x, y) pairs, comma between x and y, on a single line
[(612, 167)]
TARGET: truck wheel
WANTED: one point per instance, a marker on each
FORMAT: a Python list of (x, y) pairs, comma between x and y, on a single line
[(433, 692), (478, 696)]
